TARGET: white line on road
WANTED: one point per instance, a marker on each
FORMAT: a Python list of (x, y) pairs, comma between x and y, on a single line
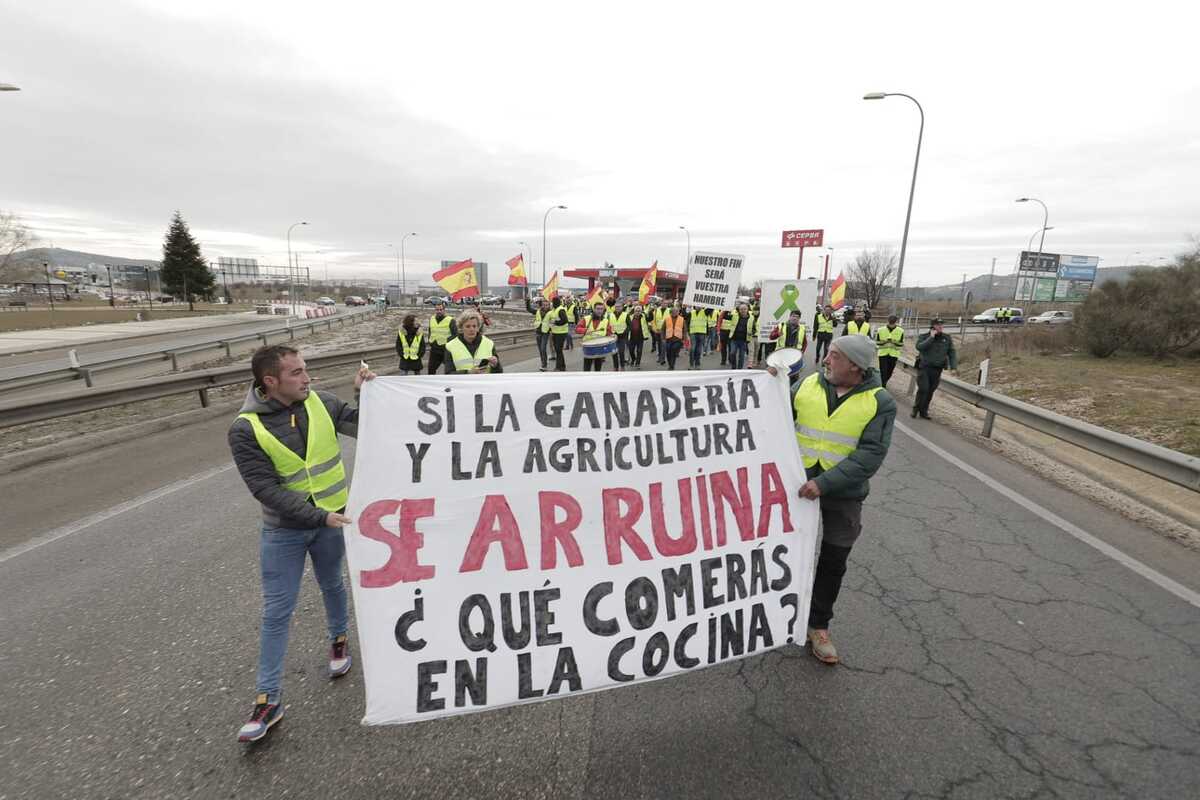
[(1122, 558), (109, 513)]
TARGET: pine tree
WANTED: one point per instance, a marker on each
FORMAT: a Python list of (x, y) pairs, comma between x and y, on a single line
[(184, 271)]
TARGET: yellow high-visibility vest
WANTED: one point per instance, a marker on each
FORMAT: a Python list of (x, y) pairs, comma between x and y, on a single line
[(620, 321), (783, 335), (860, 330), (889, 340), (557, 320), (320, 475), (411, 349), (824, 324), (826, 438), (595, 328), (699, 321), (461, 356), (439, 332)]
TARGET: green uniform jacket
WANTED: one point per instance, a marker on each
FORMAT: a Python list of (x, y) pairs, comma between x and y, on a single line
[(937, 352), (850, 478)]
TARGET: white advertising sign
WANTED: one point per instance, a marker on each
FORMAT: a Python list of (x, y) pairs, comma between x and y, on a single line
[(778, 299), (519, 539), (713, 280)]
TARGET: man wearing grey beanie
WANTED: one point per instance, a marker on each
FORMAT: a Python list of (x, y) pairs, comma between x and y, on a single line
[(844, 420)]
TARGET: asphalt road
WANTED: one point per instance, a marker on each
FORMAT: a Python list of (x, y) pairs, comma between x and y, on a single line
[(987, 653)]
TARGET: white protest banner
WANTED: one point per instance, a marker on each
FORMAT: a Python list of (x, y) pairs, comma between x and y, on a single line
[(778, 299), (713, 280), (519, 538)]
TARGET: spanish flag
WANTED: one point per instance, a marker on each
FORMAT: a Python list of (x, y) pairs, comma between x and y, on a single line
[(458, 280), (649, 283), (597, 296), (837, 294), (550, 290), (516, 270)]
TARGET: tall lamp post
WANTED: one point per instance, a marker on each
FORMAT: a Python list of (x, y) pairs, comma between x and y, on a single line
[(291, 273), (403, 264), (545, 217), (1042, 231), (912, 189), (689, 247)]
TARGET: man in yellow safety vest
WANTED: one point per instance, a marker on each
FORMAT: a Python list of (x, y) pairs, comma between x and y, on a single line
[(890, 340), (843, 420), (441, 330), (285, 445)]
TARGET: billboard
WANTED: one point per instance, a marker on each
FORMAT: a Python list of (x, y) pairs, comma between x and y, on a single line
[(808, 238), (1052, 277)]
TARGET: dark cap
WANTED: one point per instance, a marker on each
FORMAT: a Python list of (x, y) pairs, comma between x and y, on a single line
[(935, 321)]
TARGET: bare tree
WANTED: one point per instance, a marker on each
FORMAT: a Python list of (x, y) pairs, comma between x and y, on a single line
[(872, 272), (14, 237)]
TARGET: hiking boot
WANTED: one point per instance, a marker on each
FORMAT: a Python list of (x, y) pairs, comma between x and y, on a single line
[(339, 657), (822, 646), (265, 715)]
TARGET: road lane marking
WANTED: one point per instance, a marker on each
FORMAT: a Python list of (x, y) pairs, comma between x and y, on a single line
[(1122, 558), (109, 513)]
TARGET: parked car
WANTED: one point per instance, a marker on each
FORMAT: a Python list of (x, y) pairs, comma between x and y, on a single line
[(1053, 318), (355, 300), (489, 300), (326, 301), (434, 299)]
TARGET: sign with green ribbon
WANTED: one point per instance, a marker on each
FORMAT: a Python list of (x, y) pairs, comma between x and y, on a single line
[(780, 298)]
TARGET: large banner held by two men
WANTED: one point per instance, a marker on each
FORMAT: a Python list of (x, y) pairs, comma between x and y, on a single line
[(519, 539)]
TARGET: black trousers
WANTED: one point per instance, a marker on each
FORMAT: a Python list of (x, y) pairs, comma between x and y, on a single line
[(653, 342), (437, 355), (841, 524), (542, 338), (927, 382), (823, 342), (887, 365), (560, 362), (593, 364), (724, 339), (636, 343), (672, 346), (619, 355)]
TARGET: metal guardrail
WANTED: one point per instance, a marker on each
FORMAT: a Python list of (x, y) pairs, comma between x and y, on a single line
[(200, 381), (86, 372), (1171, 465)]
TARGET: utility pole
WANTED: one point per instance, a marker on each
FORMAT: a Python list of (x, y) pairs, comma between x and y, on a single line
[(49, 285), (992, 280), (112, 300)]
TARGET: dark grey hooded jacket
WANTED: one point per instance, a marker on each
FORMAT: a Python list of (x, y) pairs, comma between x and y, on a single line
[(282, 508)]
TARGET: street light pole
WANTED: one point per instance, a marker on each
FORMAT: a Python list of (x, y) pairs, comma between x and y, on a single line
[(112, 300), (912, 189), (1045, 222), (689, 247), (403, 265), (291, 273), (546, 217)]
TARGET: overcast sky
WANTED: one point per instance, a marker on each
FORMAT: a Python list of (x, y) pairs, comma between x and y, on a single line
[(465, 121)]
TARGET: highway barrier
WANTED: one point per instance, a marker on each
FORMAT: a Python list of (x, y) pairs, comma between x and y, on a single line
[(87, 372), (200, 381), (1171, 465)]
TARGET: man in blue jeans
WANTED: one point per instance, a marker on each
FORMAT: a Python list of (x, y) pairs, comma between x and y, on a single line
[(285, 445)]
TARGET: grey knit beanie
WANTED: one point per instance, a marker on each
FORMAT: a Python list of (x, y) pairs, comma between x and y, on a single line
[(860, 350)]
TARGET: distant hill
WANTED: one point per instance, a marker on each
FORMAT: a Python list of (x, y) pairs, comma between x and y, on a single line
[(58, 257)]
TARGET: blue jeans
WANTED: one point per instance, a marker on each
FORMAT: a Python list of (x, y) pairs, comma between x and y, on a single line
[(281, 554), (697, 348), (737, 354)]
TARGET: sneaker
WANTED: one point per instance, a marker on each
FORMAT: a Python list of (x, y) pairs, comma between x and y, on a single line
[(265, 715), (924, 416), (822, 646), (339, 657)]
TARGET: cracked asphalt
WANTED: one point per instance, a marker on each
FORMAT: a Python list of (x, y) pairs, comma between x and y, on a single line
[(986, 654)]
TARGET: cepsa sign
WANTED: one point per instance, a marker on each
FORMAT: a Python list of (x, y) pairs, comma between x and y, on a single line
[(813, 238)]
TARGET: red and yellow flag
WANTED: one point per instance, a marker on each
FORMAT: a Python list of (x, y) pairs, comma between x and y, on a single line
[(649, 283), (550, 290), (837, 293), (458, 280), (516, 270), (596, 296)]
